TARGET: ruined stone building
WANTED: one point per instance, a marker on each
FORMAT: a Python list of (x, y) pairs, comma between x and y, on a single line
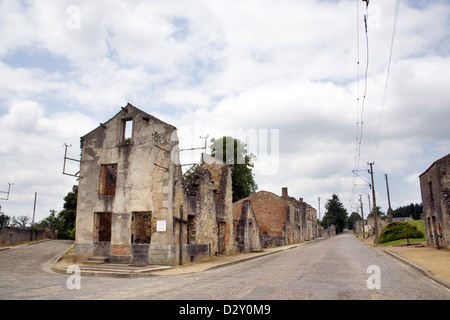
[(435, 190), (370, 224), (132, 204), (281, 220), (210, 216), (130, 190), (246, 228)]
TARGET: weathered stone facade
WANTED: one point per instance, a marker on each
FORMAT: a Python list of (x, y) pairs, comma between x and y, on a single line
[(370, 226), (247, 228), (130, 190), (435, 191)]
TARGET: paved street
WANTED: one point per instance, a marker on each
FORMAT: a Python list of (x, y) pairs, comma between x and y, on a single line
[(335, 268)]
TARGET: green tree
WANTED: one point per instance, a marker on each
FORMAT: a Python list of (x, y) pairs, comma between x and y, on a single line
[(336, 214), (234, 153), (4, 220), (64, 221), (414, 210), (352, 219), (380, 212)]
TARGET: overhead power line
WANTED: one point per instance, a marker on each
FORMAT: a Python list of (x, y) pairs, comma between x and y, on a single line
[(383, 102)]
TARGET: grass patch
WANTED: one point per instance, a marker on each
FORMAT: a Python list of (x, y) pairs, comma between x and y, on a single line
[(391, 243)]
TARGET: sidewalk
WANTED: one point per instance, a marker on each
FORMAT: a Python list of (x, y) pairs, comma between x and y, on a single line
[(132, 271), (431, 262)]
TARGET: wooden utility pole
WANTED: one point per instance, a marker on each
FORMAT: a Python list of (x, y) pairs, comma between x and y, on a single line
[(375, 211), (389, 199), (34, 213), (318, 199), (362, 215)]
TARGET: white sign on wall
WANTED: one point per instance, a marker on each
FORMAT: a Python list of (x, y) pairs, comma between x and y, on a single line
[(161, 225)]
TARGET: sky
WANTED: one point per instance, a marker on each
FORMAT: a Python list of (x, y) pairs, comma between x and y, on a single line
[(287, 76)]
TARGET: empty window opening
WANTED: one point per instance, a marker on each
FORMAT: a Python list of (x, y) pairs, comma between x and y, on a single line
[(141, 227), (127, 130), (103, 226), (191, 231), (216, 196), (108, 178), (430, 191)]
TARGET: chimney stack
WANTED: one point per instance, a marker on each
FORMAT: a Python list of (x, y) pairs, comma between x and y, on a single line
[(300, 200), (284, 192)]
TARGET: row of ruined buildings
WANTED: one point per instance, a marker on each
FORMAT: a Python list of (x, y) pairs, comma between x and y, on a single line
[(134, 207)]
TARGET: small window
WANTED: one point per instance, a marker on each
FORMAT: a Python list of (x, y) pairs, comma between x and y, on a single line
[(430, 191), (108, 177), (127, 131), (141, 227)]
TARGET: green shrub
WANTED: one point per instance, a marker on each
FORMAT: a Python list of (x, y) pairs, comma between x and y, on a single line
[(399, 230)]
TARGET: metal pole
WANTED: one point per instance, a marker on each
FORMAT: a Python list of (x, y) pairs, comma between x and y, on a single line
[(318, 199), (181, 235), (65, 158), (362, 215), (389, 199), (34, 212), (375, 211)]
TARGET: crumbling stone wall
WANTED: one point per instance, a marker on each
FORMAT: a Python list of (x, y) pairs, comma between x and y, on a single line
[(371, 224), (123, 175), (270, 213), (202, 211), (435, 191), (282, 220), (14, 235), (247, 229), (223, 197)]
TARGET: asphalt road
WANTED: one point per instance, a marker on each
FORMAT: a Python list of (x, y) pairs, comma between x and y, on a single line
[(336, 268)]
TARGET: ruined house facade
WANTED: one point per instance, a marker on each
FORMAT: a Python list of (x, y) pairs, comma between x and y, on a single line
[(281, 220), (129, 190), (210, 216), (246, 227), (435, 191), (132, 205)]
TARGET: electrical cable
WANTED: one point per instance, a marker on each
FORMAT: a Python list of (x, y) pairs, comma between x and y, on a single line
[(383, 103)]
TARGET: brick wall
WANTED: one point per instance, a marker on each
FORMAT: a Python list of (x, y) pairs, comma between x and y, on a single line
[(270, 213)]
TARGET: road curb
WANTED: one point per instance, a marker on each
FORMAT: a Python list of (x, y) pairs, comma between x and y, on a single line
[(422, 270)]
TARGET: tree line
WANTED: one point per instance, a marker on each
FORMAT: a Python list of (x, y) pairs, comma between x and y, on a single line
[(336, 214), (63, 221)]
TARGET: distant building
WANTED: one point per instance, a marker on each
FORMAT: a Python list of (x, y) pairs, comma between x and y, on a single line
[(435, 190), (281, 220)]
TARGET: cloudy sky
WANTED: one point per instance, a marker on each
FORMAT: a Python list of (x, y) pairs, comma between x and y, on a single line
[(285, 72)]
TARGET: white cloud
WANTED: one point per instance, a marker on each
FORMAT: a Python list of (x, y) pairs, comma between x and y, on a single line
[(209, 66), (32, 155)]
